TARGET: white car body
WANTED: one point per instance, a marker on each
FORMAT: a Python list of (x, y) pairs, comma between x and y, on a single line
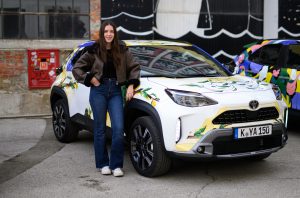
[(191, 131)]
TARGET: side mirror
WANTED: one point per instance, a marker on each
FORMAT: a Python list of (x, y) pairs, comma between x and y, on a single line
[(230, 66), (58, 70)]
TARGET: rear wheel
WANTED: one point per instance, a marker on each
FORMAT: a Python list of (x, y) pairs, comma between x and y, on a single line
[(146, 150), (65, 131)]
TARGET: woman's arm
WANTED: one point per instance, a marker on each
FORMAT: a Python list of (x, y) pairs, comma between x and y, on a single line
[(81, 69), (132, 70)]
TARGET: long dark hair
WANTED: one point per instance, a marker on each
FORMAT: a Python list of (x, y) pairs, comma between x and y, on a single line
[(115, 47)]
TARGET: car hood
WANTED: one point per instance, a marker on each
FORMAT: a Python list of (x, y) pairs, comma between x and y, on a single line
[(214, 84)]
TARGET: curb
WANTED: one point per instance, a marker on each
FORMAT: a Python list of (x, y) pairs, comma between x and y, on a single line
[(27, 116)]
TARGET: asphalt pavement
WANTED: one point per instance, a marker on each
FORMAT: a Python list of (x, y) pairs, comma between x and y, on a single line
[(34, 164), (24, 143)]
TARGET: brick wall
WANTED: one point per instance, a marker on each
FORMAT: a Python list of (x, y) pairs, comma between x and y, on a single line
[(13, 70), (16, 99), (13, 62), (15, 96), (95, 14)]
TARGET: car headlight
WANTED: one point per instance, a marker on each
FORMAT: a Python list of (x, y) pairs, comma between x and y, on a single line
[(277, 92), (189, 99)]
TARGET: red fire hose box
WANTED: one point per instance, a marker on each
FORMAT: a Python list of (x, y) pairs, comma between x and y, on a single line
[(41, 67)]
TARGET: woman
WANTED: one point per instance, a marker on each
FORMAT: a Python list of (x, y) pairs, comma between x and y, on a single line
[(106, 66)]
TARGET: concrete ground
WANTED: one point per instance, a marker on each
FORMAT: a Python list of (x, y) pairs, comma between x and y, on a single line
[(33, 164), (21, 133)]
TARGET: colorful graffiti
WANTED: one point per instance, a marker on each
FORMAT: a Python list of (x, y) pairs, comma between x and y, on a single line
[(287, 78)]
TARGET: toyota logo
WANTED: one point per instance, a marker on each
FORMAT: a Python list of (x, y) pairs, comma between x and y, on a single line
[(253, 104)]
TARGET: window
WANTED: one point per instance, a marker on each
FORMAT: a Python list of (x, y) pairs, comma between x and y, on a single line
[(44, 19), (254, 57), (294, 57), (267, 55)]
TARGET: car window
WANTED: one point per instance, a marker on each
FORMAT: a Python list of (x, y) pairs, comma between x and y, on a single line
[(294, 57), (267, 55), (254, 57), (175, 61)]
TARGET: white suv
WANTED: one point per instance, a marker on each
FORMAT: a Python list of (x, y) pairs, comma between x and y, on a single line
[(187, 105)]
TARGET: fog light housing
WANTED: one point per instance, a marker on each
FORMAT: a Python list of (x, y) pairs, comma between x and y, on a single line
[(201, 149)]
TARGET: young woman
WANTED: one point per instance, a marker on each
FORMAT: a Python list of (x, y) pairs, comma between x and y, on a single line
[(106, 66)]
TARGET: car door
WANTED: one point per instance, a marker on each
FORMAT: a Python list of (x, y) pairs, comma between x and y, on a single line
[(78, 96)]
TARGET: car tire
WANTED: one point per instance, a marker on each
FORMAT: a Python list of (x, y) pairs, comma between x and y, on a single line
[(65, 131), (146, 150)]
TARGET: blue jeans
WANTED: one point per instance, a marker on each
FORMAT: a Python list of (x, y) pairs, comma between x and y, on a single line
[(103, 98)]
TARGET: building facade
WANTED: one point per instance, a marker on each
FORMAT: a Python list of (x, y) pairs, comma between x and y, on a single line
[(220, 27)]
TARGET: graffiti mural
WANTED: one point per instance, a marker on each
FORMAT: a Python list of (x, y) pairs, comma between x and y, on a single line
[(219, 27), (134, 18), (289, 19), (222, 28)]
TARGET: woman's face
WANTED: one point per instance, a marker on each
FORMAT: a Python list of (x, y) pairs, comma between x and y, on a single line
[(109, 33)]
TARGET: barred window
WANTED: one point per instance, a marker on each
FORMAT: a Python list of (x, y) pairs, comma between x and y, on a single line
[(44, 19)]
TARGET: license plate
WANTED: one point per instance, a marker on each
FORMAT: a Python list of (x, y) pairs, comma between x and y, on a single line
[(255, 131)]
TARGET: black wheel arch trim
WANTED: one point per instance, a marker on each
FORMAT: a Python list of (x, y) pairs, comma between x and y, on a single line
[(147, 109), (56, 94)]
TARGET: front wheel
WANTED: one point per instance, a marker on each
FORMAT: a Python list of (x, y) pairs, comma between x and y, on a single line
[(146, 150), (65, 131)]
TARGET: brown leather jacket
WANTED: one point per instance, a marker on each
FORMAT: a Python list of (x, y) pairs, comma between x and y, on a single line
[(90, 65)]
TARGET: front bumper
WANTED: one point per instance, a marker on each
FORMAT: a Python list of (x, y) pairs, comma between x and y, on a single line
[(219, 143)]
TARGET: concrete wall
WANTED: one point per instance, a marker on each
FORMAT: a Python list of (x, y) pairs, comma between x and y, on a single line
[(13, 70)]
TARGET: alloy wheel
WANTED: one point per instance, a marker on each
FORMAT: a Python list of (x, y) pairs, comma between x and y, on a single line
[(59, 121), (142, 147)]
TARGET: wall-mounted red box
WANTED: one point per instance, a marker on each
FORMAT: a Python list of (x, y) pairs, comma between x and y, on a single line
[(41, 67)]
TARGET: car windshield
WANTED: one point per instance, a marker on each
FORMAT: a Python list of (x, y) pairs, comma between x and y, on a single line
[(176, 62)]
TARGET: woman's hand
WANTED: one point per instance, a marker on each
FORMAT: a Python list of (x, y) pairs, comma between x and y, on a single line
[(95, 82), (129, 93)]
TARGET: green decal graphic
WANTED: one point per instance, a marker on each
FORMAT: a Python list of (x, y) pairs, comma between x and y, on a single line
[(192, 85), (145, 94), (149, 96), (199, 132)]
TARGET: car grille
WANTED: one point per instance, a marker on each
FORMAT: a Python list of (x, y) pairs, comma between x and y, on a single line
[(242, 116), (228, 145)]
